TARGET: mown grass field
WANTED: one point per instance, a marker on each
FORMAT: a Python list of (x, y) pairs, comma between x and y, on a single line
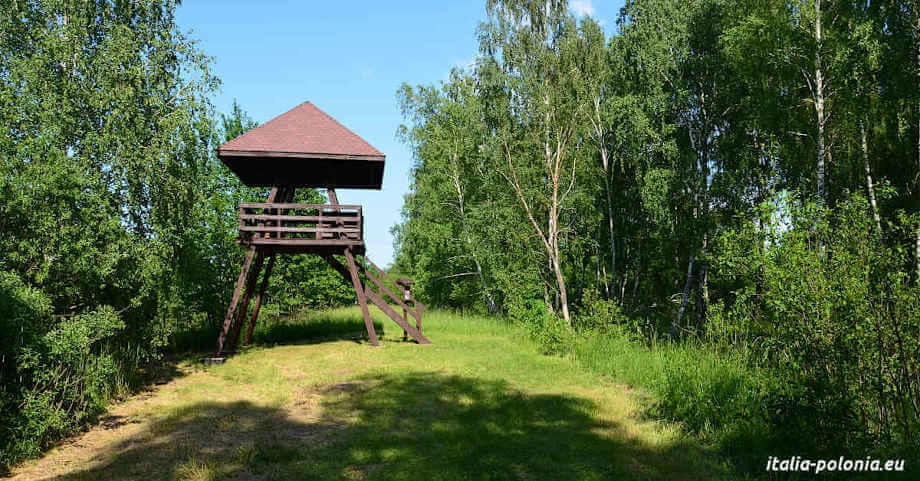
[(480, 403)]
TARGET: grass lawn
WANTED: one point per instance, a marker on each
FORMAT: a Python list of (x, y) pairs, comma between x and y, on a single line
[(480, 403)]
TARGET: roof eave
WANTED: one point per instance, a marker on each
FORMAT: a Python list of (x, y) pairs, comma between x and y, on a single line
[(224, 153)]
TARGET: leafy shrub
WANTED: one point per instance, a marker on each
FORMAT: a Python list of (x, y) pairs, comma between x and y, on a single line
[(599, 316), (549, 331), (53, 381), (826, 303)]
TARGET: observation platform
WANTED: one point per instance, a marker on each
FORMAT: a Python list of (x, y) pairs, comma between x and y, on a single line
[(306, 148), (289, 228)]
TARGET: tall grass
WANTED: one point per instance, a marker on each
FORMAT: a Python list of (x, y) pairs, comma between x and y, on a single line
[(716, 394)]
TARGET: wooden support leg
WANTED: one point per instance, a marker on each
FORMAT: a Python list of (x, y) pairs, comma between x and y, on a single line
[(406, 320), (362, 300), (243, 310), (257, 303), (338, 267), (240, 282)]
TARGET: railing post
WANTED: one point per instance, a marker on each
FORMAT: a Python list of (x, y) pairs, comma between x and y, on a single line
[(406, 285), (405, 293)]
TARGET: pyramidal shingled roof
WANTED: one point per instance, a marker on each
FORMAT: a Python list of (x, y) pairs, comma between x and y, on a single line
[(302, 132)]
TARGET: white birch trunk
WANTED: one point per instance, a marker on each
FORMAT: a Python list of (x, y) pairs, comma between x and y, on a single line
[(608, 192), (819, 104), (870, 186)]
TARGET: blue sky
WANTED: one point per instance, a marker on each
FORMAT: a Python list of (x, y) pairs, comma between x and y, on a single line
[(347, 58)]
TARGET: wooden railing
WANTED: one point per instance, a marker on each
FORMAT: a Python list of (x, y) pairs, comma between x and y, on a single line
[(386, 292), (286, 223)]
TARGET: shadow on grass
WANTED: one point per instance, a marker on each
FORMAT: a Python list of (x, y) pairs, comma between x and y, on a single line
[(302, 328), (416, 426), (312, 329)]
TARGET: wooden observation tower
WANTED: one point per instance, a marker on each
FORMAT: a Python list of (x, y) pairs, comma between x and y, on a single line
[(302, 148)]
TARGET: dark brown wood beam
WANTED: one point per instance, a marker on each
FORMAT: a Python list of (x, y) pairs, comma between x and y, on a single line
[(383, 274), (337, 266), (257, 303), (231, 311), (379, 302), (362, 298), (240, 282), (244, 304), (384, 290)]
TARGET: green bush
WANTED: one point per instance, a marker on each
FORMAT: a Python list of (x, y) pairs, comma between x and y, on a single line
[(599, 316), (64, 377), (809, 351), (824, 301), (22, 310), (549, 331)]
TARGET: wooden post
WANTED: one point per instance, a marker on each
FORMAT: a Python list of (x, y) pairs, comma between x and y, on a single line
[(240, 282), (406, 284), (257, 303), (406, 320), (362, 299), (418, 320), (244, 305), (405, 294)]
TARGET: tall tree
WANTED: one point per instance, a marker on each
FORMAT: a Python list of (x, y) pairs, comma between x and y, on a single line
[(530, 72), (447, 137), (599, 92)]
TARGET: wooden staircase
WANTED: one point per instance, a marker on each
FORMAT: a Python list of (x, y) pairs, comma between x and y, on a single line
[(380, 292)]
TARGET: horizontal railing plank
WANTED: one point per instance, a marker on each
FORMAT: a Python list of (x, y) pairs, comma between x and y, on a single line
[(302, 218), (287, 205), (293, 224), (308, 230), (303, 242)]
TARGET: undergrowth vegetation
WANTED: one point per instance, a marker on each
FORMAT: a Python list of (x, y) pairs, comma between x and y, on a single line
[(812, 352), (480, 402)]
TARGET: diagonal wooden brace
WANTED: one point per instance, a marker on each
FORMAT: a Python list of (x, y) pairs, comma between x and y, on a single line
[(362, 298), (409, 328), (231, 311), (378, 301), (243, 310), (257, 303)]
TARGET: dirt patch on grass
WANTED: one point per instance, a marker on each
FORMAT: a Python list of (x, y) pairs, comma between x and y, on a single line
[(360, 472), (181, 430)]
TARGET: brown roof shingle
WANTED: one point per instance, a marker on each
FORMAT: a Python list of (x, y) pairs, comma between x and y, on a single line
[(304, 131), (304, 147)]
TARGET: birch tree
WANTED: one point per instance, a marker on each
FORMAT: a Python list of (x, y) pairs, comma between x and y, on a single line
[(446, 138), (531, 73)]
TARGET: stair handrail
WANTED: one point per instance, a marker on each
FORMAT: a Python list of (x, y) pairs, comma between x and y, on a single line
[(382, 288), (383, 274)]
